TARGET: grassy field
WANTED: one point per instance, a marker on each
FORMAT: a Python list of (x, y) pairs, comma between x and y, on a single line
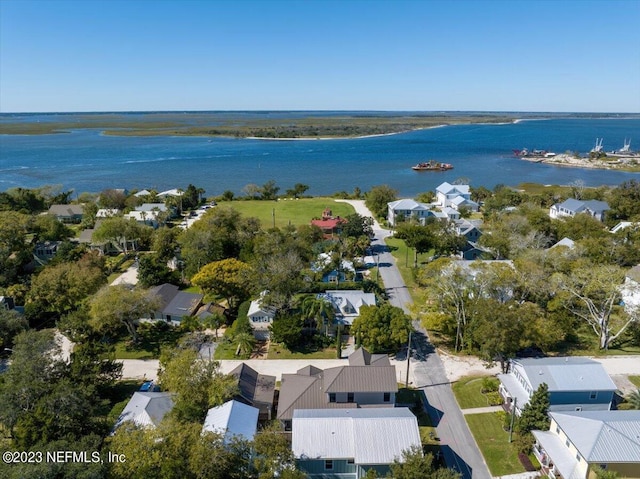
[(277, 351), (295, 212), (468, 392), (500, 456), (635, 380)]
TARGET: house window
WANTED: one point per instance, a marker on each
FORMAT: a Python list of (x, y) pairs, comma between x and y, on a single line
[(328, 465), (578, 458), (386, 397), (351, 461), (332, 397), (579, 408), (566, 443), (557, 429), (593, 395)]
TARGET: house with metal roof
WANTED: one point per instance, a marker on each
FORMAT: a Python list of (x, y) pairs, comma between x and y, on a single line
[(256, 389), (368, 381), (446, 193), (572, 207), (347, 303), (407, 209), (175, 304), (577, 444), (346, 443), (232, 420), (575, 383), (146, 409)]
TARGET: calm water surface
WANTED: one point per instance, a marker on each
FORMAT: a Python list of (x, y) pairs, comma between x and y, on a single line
[(85, 160)]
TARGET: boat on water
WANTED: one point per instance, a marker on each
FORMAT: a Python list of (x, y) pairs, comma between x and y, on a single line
[(432, 166), (525, 153)]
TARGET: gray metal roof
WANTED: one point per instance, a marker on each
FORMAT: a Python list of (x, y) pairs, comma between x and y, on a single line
[(176, 303), (308, 388), (408, 204), (572, 373), (369, 436), (362, 357), (66, 210), (603, 436), (146, 408), (232, 419)]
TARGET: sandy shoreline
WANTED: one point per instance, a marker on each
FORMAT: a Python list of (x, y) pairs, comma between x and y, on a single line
[(573, 162), (343, 137)]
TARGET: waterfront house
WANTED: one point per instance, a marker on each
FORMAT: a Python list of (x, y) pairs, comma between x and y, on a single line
[(175, 304), (407, 210), (232, 420), (461, 201), (368, 380), (67, 213), (146, 409), (261, 317), (347, 303), (446, 193), (575, 383), (572, 207), (346, 443), (256, 389), (631, 289), (578, 444)]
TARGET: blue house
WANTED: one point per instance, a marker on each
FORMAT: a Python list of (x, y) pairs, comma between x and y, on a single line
[(575, 383)]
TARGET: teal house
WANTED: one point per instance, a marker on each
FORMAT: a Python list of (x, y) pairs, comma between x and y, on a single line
[(346, 443)]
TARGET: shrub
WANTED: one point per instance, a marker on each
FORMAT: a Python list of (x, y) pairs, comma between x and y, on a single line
[(490, 385), (494, 398)]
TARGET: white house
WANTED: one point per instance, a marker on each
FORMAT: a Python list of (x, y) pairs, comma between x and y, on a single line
[(260, 317), (446, 193), (407, 209), (107, 212), (462, 202), (347, 303)]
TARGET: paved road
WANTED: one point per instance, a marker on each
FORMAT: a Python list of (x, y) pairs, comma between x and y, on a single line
[(458, 446)]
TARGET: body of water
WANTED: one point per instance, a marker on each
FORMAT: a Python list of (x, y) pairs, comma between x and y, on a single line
[(86, 160)]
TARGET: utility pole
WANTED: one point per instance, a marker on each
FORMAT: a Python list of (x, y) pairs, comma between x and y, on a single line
[(513, 417), (273, 213), (406, 383)]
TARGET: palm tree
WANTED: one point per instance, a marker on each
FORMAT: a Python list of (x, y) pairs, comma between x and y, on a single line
[(245, 342), (319, 311), (634, 399)]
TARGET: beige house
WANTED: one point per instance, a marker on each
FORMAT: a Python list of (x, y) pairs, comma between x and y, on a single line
[(578, 443)]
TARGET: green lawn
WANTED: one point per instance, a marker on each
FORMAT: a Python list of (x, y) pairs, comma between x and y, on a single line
[(468, 392), (153, 339), (635, 380), (288, 211), (227, 350), (500, 456), (404, 257), (278, 351)]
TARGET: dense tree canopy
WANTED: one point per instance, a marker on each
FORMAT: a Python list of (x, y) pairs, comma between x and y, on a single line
[(381, 328), (377, 198), (227, 278)]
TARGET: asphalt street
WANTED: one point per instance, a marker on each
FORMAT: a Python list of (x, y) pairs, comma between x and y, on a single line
[(458, 446)]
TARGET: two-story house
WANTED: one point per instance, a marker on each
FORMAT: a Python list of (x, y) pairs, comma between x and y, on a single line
[(347, 303), (406, 210), (575, 383), (368, 380), (347, 443), (578, 444), (261, 317), (67, 213), (446, 193)]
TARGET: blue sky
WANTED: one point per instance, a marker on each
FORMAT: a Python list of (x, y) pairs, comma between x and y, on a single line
[(517, 55)]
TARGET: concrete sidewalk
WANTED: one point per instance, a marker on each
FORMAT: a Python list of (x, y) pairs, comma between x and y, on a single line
[(482, 410)]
